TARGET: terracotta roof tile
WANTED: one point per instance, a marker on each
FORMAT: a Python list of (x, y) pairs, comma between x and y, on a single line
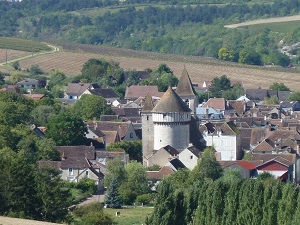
[(121, 127), (136, 91), (159, 175), (216, 103)]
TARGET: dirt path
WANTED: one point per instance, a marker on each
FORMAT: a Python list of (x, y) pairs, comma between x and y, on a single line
[(261, 21)]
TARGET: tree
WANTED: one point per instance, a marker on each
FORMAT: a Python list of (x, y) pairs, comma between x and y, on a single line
[(66, 128), (218, 85), (132, 148), (233, 93), (227, 55), (278, 87), (136, 182), (16, 65), (115, 170), (41, 114), (112, 197), (207, 167), (53, 198), (273, 100), (249, 56), (91, 106), (92, 214), (46, 150), (294, 96), (36, 70), (56, 78)]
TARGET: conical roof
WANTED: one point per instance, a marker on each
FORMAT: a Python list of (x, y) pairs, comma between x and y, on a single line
[(171, 102), (185, 87), (148, 106)]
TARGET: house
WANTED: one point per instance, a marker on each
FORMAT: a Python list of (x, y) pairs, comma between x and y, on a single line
[(135, 91), (189, 157), (108, 93), (216, 103), (289, 106), (76, 90), (162, 156), (247, 169), (225, 138), (155, 177), (261, 94), (28, 84), (76, 163), (120, 130), (206, 114)]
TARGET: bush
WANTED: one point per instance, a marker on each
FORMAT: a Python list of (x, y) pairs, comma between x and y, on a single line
[(144, 199), (87, 185)]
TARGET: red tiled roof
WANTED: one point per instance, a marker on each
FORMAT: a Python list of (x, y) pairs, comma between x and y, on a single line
[(246, 164), (34, 96), (216, 103)]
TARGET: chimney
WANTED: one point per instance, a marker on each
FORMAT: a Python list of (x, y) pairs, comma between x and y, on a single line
[(206, 116)]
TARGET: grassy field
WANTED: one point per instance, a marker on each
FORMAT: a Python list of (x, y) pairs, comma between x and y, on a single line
[(16, 221), (130, 216), (22, 45)]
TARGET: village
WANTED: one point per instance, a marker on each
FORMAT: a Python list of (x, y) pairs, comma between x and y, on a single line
[(175, 129)]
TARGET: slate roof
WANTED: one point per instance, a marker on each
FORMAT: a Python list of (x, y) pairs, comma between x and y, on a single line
[(216, 103), (106, 154), (105, 92), (75, 163), (109, 117), (136, 91), (171, 102), (283, 95), (77, 151), (185, 86), (287, 104), (177, 164), (111, 136), (257, 94), (28, 81), (229, 128), (194, 150), (172, 151), (76, 89), (148, 105), (51, 164)]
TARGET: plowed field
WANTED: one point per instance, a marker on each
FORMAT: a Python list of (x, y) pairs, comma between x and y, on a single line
[(15, 221), (71, 58)]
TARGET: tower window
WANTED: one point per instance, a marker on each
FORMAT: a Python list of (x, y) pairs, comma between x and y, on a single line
[(147, 117)]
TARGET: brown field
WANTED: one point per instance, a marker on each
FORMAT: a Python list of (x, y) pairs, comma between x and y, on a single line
[(11, 54), (15, 221), (71, 58)]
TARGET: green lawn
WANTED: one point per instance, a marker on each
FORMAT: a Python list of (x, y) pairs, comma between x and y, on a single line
[(130, 216)]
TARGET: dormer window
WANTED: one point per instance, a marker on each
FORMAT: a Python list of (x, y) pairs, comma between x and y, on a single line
[(70, 171)]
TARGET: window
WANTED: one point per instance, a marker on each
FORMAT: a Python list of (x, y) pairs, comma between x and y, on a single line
[(191, 157), (70, 172), (147, 117), (87, 173), (131, 135)]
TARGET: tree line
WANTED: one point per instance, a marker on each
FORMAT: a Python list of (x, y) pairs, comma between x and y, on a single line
[(207, 195)]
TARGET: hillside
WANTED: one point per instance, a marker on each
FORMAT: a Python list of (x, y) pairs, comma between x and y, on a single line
[(71, 58)]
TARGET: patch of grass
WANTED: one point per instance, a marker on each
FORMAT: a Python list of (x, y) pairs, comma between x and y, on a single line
[(130, 216), (281, 27), (22, 45), (79, 195)]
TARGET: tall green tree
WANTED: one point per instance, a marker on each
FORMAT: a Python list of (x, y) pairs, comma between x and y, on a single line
[(112, 198), (218, 85), (91, 106), (52, 196), (136, 182), (279, 87), (115, 170), (66, 128), (207, 167)]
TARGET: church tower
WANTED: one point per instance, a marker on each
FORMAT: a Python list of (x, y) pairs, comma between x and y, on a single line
[(147, 128), (171, 122), (187, 92)]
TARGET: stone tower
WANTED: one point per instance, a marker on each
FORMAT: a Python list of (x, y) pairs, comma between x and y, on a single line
[(186, 91), (147, 128), (171, 122)]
